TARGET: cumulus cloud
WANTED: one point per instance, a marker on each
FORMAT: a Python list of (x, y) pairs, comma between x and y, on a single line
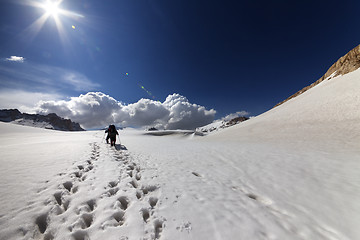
[(184, 115), (15, 59), (93, 109), (96, 109), (145, 112)]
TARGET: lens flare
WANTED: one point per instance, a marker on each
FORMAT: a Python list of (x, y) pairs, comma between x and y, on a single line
[(143, 88), (148, 92)]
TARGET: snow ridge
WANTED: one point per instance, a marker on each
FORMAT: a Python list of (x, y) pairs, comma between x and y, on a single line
[(346, 64)]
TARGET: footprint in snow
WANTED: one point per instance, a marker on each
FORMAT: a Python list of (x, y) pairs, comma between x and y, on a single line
[(138, 176), (89, 168), (58, 197), (42, 222), (111, 192), (145, 214), (68, 185), (91, 204), (134, 183), (119, 217), (87, 219), (78, 174), (123, 202), (80, 235), (153, 201), (113, 184), (158, 227), (149, 188), (138, 194)]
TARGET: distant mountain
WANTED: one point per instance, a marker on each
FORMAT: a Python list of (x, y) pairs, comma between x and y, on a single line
[(220, 124), (346, 64), (50, 121)]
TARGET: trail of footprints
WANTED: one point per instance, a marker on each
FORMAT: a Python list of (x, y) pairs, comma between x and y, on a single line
[(129, 171), (142, 193), (62, 201)]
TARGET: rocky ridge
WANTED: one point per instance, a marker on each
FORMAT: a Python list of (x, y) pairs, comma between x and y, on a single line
[(346, 64), (220, 124), (50, 121)]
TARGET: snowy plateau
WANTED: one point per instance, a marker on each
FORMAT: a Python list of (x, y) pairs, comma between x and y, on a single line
[(290, 173)]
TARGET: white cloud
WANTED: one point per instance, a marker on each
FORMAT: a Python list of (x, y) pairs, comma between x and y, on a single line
[(184, 115), (15, 59), (96, 109), (145, 112), (93, 109)]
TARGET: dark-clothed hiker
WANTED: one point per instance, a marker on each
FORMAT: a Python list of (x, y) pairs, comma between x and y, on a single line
[(111, 131)]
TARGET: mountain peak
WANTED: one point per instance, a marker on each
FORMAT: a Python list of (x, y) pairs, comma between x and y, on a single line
[(346, 64)]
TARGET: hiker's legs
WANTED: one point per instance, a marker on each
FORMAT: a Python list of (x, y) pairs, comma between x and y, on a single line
[(113, 140)]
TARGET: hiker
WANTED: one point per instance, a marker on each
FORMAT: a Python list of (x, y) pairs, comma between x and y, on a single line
[(111, 131)]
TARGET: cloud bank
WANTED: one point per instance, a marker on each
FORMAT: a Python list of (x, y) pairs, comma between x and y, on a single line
[(96, 109)]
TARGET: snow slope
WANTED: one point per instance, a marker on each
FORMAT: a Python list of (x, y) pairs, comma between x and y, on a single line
[(329, 110), (291, 173)]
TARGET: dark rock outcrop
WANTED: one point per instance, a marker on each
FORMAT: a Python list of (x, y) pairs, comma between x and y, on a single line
[(236, 121), (221, 124), (54, 121), (346, 64)]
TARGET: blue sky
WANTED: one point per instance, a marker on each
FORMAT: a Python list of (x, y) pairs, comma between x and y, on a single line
[(228, 56)]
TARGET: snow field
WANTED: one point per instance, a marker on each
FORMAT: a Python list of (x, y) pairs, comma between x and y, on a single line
[(101, 195), (177, 187), (290, 173), (256, 191)]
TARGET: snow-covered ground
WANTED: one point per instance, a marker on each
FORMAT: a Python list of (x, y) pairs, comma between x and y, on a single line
[(290, 173)]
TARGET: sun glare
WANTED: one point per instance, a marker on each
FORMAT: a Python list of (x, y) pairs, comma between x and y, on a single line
[(51, 8)]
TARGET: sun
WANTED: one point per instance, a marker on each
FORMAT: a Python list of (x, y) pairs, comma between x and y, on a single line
[(51, 8)]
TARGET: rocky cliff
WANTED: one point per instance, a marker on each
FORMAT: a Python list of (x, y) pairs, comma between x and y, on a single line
[(50, 121), (348, 63)]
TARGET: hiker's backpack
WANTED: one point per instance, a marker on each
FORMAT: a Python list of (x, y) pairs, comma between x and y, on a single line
[(112, 131)]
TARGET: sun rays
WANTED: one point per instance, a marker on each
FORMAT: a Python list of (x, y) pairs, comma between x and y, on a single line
[(52, 11)]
